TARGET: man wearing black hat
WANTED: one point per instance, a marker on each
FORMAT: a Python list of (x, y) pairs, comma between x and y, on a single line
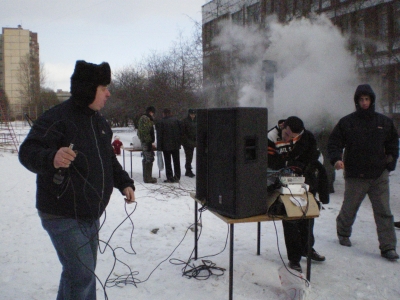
[(371, 144), (69, 148), (290, 145), (189, 125)]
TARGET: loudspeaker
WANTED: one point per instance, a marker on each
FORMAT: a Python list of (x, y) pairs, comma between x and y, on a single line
[(231, 160)]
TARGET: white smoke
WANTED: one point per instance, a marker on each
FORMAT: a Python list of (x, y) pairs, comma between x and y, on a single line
[(316, 75)]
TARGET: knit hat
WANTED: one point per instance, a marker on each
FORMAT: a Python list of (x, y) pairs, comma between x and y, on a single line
[(151, 109), (192, 111), (85, 80), (295, 123)]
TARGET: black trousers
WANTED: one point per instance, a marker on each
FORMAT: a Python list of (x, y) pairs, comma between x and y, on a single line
[(189, 158), (177, 164), (296, 237)]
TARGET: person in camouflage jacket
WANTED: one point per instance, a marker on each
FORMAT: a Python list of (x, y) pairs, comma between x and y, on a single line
[(147, 138)]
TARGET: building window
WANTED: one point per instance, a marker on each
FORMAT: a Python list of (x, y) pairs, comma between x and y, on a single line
[(383, 23), (238, 18), (290, 8), (253, 13), (396, 18), (269, 7)]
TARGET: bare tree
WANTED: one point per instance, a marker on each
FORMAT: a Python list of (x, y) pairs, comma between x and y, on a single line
[(165, 80), (29, 81)]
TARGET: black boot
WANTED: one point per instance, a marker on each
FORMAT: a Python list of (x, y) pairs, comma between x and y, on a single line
[(189, 173), (147, 172), (144, 171), (315, 255)]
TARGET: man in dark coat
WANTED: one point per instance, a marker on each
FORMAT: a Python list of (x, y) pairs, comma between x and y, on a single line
[(291, 145), (169, 142), (69, 148), (371, 144), (189, 131)]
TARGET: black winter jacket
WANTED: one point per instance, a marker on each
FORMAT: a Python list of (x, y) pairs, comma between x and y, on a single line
[(370, 140), (303, 155), (189, 132), (169, 133), (300, 154), (89, 181)]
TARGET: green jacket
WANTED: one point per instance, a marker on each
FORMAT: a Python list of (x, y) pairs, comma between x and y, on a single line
[(146, 129)]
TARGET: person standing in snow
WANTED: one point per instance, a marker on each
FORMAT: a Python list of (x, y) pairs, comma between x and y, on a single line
[(291, 145), (117, 144), (189, 132), (169, 132), (147, 138), (371, 144), (69, 148)]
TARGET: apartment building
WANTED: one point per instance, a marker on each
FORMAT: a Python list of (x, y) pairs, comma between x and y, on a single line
[(373, 27), (19, 68)]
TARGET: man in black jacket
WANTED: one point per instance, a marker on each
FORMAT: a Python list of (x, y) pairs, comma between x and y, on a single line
[(371, 146), (69, 148), (169, 142), (189, 132), (291, 145)]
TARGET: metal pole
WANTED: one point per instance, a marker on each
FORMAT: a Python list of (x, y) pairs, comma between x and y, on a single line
[(131, 163), (258, 237), (231, 239), (309, 251), (195, 230)]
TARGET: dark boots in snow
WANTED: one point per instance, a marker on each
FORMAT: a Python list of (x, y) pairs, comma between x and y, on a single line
[(147, 172)]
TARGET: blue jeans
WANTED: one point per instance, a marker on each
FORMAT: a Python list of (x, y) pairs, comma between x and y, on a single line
[(76, 243)]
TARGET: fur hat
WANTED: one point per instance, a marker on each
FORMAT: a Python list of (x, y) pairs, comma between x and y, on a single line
[(85, 80)]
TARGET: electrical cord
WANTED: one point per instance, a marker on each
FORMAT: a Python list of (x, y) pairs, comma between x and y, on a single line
[(205, 270), (279, 174)]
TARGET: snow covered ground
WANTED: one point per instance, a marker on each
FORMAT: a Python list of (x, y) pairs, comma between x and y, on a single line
[(29, 267)]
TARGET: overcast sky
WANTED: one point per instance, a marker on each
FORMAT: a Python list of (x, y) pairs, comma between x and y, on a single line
[(120, 32)]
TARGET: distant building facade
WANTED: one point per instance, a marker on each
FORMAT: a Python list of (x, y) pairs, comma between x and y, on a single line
[(373, 27), (63, 95), (19, 67)]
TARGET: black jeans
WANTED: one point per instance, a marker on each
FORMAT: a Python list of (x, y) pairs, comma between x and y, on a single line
[(189, 158), (296, 237), (177, 164)]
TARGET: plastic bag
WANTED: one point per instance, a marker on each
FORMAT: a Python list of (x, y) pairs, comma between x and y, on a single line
[(136, 142), (296, 287), (160, 161)]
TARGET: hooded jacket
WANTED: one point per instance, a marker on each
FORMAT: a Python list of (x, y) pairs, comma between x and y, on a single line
[(370, 140)]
